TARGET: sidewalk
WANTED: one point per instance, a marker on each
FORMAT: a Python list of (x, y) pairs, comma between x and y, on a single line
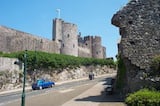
[(56, 83), (95, 97)]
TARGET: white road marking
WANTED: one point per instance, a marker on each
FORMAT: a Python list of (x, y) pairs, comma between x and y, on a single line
[(67, 90)]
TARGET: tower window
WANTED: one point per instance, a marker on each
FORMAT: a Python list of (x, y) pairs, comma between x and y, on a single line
[(97, 52), (68, 35), (73, 45), (62, 45)]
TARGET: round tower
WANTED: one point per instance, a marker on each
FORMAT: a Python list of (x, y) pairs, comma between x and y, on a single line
[(97, 49), (69, 44)]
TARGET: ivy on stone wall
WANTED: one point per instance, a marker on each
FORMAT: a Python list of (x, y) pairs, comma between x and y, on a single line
[(155, 65), (121, 73)]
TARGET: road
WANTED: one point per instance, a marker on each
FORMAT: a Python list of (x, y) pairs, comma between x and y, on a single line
[(81, 93)]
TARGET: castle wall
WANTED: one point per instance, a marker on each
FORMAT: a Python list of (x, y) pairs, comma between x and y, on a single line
[(139, 24), (65, 41), (84, 52), (93, 44), (69, 44), (13, 40)]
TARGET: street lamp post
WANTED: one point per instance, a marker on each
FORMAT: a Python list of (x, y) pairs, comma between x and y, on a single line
[(24, 79)]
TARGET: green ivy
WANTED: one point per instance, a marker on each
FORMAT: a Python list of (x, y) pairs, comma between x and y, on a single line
[(155, 65), (40, 59), (121, 73)]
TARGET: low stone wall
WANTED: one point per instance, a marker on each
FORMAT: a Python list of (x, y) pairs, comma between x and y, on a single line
[(73, 73)]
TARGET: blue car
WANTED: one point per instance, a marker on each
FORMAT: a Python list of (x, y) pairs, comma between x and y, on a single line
[(41, 84)]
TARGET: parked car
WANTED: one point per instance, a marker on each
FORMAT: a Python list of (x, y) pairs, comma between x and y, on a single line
[(109, 85), (41, 84)]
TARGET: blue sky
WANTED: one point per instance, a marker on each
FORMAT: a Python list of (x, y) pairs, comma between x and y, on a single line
[(93, 17)]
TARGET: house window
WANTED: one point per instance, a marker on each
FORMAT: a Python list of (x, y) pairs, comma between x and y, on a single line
[(62, 45), (73, 45)]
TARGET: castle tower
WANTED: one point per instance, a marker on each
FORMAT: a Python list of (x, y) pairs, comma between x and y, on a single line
[(66, 35), (57, 30), (69, 39), (97, 49)]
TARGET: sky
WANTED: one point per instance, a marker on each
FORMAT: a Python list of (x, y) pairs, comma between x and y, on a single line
[(93, 17)]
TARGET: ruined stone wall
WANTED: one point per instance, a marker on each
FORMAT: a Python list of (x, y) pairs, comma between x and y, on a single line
[(139, 24), (13, 40)]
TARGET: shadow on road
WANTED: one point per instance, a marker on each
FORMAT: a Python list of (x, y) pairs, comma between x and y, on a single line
[(102, 98)]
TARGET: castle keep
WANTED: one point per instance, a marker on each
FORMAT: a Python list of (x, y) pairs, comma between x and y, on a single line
[(139, 24), (65, 40)]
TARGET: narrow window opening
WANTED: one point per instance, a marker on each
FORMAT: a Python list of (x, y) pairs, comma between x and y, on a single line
[(130, 22), (132, 42), (68, 35)]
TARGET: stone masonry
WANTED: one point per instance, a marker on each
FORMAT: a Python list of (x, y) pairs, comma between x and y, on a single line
[(12, 40), (139, 25)]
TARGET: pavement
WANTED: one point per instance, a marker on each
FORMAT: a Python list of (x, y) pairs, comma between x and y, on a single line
[(95, 97)]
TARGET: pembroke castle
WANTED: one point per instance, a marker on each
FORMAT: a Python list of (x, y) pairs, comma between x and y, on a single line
[(65, 40)]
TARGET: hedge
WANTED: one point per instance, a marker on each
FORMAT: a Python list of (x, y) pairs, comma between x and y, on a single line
[(144, 97), (40, 59)]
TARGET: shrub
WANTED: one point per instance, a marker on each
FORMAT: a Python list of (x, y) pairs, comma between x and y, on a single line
[(143, 97)]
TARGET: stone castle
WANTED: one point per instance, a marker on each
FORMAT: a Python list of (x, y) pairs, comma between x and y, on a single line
[(65, 40), (139, 24)]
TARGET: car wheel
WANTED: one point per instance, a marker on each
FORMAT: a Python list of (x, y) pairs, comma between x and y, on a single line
[(51, 85), (40, 87)]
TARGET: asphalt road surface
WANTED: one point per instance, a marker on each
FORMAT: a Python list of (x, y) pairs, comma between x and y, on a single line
[(81, 93)]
